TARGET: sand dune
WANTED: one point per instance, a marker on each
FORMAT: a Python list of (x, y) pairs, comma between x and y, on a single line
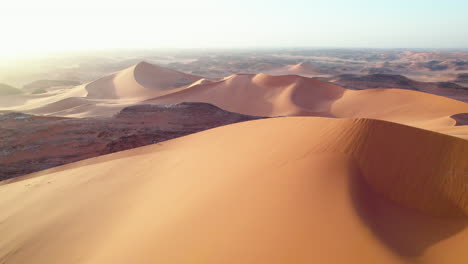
[(142, 80), (249, 94), (45, 84), (262, 95), (282, 190), (401, 106), (362, 82), (29, 102), (106, 96), (303, 69)]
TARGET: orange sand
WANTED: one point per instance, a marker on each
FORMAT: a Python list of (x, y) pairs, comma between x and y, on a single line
[(281, 190)]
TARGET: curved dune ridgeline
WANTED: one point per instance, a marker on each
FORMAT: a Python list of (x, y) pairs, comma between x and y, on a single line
[(142, 80), (262, 94)]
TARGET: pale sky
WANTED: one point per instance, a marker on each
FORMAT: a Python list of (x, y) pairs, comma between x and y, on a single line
[(41, 26)]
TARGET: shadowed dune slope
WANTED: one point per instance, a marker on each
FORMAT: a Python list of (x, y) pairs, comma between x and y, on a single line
[(142, 80), (303, 69), (283, 190)]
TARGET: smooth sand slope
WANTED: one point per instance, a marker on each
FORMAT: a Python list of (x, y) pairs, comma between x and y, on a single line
[(303, 69), (142, 80), (104, 97), (263, 95), (282, 190)]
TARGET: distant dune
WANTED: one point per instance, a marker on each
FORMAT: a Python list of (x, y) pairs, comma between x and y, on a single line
[(106, 96), (361, 82), (261, 95), (6, 89), (142, 80), (432, 56), (281, 190), (44, 84), (304, 68)]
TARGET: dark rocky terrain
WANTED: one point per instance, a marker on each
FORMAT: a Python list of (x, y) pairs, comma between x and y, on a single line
[(31, 143)]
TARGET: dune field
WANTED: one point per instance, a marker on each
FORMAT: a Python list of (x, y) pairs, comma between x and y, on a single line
[(313, 172)]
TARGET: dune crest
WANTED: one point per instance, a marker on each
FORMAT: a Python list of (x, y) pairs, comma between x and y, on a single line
[(250, 197), (304, 68), (262, 94), (142, 80)]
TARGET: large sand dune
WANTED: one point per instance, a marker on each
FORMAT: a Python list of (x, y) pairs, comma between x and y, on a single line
[(282, 190), (103, 97), (139, 81), (263, 95)]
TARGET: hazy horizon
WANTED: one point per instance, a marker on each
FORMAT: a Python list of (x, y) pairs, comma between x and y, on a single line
[(53, 26)]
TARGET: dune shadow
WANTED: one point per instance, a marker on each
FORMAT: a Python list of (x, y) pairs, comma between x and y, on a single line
[(460, 119), (405, 231)]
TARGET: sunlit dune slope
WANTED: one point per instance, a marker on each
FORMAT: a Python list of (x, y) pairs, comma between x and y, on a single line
[(139, 81), (106, 96), (264, 95), (282, 190), (402, 106)]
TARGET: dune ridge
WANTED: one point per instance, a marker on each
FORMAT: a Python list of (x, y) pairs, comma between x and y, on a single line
[(262, 94), (141, 205), (304, 68)]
